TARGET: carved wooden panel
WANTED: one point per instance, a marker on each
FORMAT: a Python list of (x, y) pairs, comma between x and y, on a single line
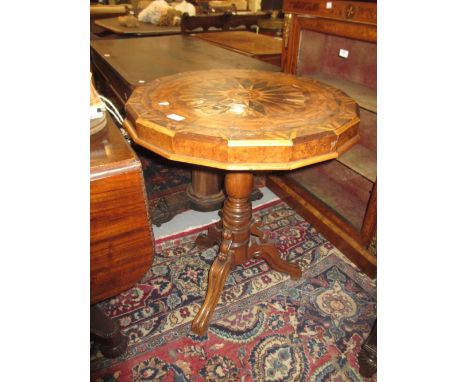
[(344, 10), (242, 119)]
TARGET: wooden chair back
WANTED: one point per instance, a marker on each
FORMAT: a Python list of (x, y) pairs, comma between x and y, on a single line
[(202, 23), (225, 22), (234, 21)]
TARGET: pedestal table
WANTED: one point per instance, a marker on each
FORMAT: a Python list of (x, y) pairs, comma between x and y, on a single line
[(241, 121)]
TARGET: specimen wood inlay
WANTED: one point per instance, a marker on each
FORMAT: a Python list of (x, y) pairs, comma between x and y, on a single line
[(227, 111)]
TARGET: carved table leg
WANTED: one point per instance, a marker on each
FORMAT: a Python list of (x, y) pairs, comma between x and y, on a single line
[(216, 278), (215, 233), (269, 253), (107, 334), (237, 226)]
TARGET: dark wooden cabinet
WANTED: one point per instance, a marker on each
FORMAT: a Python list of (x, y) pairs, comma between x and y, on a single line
[(336, 42)]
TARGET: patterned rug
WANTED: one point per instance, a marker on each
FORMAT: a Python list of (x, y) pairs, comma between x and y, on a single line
[(266, 327)]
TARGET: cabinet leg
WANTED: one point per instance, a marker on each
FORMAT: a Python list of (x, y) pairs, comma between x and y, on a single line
[(107, 334), (367, 357)]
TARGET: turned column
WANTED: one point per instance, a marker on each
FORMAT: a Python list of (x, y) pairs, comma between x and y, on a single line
[(237, 214)]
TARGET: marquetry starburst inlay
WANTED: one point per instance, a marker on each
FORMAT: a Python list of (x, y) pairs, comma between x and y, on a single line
[(242, 97), (242, 118)]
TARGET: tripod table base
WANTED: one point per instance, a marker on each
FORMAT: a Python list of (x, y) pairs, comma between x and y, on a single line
[(233, 236)]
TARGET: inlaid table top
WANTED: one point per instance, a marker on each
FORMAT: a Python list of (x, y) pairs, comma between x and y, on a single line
[(242, 119)]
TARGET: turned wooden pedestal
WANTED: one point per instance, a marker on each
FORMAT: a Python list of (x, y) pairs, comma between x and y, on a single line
[(235, 245), (206, 190), (241, 121)]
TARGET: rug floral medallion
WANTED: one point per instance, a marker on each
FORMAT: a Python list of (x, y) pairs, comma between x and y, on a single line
[(266, 326)]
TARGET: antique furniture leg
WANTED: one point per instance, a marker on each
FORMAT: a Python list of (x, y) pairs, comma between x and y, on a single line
[(205, 191), (237, 227), (367, 357), (107, 334), (269, 253), (215, 233)]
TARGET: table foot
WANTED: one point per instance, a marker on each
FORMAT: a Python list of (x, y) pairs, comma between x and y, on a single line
[(107, 334), (214, 235), (216, 279), (269, 253), (256, 195), (367, 357), (256, 231)]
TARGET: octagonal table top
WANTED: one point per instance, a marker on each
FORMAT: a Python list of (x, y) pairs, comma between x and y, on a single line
[(242, 119)]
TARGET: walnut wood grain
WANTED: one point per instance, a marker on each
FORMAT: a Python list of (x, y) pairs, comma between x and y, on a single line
[(121, 235), (242, 120)]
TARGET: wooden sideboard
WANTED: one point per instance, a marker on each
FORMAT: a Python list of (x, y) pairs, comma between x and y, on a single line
[(121, 234), (335, 42)]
